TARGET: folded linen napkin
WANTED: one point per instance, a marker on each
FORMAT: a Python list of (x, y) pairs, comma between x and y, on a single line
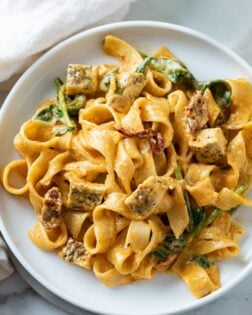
[(5, 267), (28, 27)]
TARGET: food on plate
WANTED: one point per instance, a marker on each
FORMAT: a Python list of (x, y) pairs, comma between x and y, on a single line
[(137, 167)]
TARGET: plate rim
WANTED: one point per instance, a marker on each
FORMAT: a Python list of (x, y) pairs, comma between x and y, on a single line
[(25, 76)]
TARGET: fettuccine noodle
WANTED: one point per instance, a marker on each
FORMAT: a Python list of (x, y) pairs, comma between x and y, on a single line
[(136, 168)]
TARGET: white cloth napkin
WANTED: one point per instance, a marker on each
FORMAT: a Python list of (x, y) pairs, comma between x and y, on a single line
[(5, 267), (28, 27)]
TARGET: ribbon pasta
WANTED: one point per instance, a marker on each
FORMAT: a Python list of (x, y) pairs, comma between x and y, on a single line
[(136, 168)]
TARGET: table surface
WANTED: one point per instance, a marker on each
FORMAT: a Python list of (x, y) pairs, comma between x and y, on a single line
[(227, 21)]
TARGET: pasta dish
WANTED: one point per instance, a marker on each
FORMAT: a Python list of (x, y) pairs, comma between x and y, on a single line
[(137, 167)]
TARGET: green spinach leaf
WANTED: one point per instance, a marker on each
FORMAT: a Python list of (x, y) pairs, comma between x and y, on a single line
[(203, 261), (46, 114), (220, 90)]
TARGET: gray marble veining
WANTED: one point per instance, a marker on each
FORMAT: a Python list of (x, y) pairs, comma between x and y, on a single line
[(16, 297)]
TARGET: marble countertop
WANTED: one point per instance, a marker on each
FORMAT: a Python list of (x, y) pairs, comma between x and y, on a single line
[(230, 23)]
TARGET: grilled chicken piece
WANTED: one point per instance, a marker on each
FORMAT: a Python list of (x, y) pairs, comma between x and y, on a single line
[(146, 198), (52, 212), (209, 145), (81, 79), (196, 112), (119, 102), (76, 253), (131, 85), (85, 196)]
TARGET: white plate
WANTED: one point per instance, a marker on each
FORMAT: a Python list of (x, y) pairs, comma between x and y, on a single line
[(166, 294)]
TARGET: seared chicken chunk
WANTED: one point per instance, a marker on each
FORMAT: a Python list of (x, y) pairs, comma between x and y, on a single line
[(85, 195), (209, 145), (76, 253), (52, 212), (146, 198), (119, 102), (196, 112), (131, 85), (81, 79)]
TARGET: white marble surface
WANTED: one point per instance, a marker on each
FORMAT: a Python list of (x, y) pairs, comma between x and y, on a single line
[(227, 21)]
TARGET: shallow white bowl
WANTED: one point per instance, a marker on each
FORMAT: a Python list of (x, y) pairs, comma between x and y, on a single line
[(166, 294)]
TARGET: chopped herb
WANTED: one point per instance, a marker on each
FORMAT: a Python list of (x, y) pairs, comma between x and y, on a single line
[(221, 91), (214, 214), (141, 68), (106, 80), (239, 190), (203, 261), (58, 82), (166, 64), (62, 112), (160, 253), (46, 114), (76, 104), (184, 77), (57, 113), (233, 210), (174, 244), (205, 222), (170, 245), (105, 83), (178, 73), (178, 173), (179, 176), (143, 55), (60, 131), (198, 215), (189, 209), (174, 68)]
